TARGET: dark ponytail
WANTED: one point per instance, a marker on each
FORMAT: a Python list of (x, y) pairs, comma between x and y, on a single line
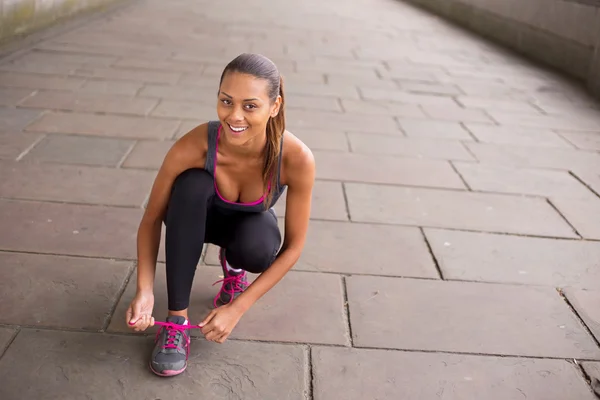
[(263, 68)]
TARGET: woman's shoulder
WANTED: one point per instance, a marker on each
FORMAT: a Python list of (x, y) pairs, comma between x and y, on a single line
[(298, 160), (190, 149)]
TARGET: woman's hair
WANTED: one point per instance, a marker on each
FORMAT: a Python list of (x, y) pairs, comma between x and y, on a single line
[(261, 67)]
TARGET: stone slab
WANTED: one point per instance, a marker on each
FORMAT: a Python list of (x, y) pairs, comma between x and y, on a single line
[(589, 177), (323, 140), (434, 130), (517, 136), (185, 110), (68, 149), (206, 95), (536, 182), (382, 108), (585, 302), (307, 102), (497, 104), (104, 125), (90, 102), (6, 335), (79, 365), (408, 147), (111, 87), (354, 167), (186, 126), (561, 122), (301, 304), (584, 140), (408, 375), (465, 317), (454, 209), (592, 369), (13, 144), (485, 257), (50, 228), (15, 119), (130, 74), (321, 120), (148, 154), (328, 202), (57, 291), (74, 184), (406, 98), (584, 215), (447, 113), (34, 81), (348, 248), (10, 97), (529, 156)]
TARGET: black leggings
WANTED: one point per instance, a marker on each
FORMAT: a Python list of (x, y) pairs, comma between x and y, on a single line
[(251, 239)]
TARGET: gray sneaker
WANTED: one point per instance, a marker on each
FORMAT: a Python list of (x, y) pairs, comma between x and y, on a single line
[(172, 348), (233, 284)]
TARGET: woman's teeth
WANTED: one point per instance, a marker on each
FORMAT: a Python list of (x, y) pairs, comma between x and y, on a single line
[(238, 129)]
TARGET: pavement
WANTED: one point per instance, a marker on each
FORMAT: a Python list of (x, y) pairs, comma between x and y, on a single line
[(454, 243)]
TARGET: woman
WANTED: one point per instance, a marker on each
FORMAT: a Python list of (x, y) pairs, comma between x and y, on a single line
[(218, 184)]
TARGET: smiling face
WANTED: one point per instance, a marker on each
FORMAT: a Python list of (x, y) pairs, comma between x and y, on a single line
[(244, 107)]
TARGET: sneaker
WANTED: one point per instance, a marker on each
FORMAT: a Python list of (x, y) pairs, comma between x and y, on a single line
[(233, 284), (172, 348)]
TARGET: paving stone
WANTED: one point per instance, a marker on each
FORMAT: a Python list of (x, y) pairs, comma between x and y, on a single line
[(327, 202), (516, 136), (485, 257), (465, 317), (584, 140), (536, 182), (299, 119), (434, 129), (75, 184), (180, 109), (529, 156), (456, 114), (406, 98), (337, 79), (40, 57), (201, 80), (104, 125), (80, 150), (137, 75), (409, 147), (305, 102), (382, 108), (186, 127), (57, 291), (353, 167), (14, 120), (410, 375), (584, 215), (585, 302), (206, 96), (348, 248), (546, 121), (90, 102), (592, 369), (50, 69), (454, 209), (12, 144), (6, 335), (148, 154), (299, 317), (111, 367), (591, 178), (33, 81), (111, 87), (323, 140), (158, 65), (433, 88), (497, 104), (11, 96), (83, 230), (319, 89)]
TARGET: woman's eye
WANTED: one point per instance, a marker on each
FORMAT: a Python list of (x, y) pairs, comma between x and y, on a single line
[(225, 101), (250, 106)]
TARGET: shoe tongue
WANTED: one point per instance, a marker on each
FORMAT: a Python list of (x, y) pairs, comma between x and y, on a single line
[(176, 319)]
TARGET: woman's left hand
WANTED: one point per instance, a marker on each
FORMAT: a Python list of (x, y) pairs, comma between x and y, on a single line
[(217, 326)]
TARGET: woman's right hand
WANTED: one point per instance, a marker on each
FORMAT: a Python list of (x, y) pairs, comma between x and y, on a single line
[(139, 313)]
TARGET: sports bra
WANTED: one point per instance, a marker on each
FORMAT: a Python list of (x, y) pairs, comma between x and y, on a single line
[(214, 131)]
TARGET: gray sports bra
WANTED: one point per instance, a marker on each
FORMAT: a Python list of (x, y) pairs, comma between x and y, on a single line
[(214, 130)]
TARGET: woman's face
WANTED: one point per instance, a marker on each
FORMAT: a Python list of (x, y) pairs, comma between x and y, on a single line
[(244, 107)]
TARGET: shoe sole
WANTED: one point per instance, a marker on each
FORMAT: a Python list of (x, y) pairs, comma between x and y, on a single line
[(167, 372)]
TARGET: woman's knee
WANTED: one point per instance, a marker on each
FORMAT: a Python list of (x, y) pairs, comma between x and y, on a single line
[(191, 186), (256, 244)]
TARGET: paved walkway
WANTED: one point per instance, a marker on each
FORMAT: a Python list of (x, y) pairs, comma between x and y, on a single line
[(454, 245)]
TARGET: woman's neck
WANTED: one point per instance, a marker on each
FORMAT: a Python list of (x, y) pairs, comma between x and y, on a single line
[(253, 148)]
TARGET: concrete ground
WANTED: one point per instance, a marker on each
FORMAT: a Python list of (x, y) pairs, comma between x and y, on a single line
[(454, 245)]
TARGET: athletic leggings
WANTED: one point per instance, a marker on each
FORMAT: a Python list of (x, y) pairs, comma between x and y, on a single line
[(251, 239)]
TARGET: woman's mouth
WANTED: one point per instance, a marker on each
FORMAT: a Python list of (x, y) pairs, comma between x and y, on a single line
[(237, 129)]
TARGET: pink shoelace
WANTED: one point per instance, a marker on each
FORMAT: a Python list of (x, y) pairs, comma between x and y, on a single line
[(236, 283)]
